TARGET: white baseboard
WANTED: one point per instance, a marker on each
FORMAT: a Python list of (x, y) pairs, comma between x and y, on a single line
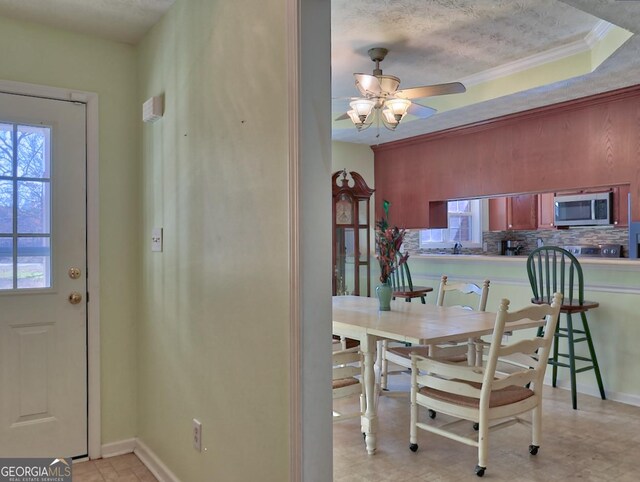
[(144, 453), (627, 398), (119, 448), (153, 463)]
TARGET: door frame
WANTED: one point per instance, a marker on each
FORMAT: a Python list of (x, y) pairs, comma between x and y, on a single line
[(94, 443)]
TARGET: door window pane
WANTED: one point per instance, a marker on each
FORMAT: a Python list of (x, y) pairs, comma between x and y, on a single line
[(6, 150), (25, 207), (34, 262), (6, 263), (33, 152), (6, 207), (33, 207)]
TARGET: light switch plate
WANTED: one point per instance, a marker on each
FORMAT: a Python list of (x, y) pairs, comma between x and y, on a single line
[(156, 239), (197, 435)]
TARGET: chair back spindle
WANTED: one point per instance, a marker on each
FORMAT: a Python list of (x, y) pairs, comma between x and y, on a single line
[(553, 269)]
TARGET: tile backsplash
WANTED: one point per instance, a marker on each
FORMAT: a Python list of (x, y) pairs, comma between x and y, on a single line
[(528, 240)]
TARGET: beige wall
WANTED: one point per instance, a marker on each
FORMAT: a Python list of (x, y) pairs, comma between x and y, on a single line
[(214, 329), (45, 56)]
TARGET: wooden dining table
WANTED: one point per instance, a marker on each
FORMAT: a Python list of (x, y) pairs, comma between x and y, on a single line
[(359, 318)]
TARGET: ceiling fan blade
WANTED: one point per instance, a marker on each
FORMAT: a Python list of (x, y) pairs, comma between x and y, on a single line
[(431, 90), (344, 116), (368, 85), (421, 111)]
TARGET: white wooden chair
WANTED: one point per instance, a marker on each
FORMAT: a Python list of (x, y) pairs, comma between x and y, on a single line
[(460, 352), (347, 380), (482, 394)]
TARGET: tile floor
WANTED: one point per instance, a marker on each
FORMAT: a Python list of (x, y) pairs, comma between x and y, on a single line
[(123, 468), (597, 442)]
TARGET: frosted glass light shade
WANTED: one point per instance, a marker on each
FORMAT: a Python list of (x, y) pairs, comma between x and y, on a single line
[(363, 108), (398, 107)]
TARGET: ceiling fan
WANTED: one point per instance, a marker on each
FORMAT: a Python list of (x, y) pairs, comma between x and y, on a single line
[(382, 100)]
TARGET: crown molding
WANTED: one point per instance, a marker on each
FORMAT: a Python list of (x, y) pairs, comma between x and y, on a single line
[(597, 33)]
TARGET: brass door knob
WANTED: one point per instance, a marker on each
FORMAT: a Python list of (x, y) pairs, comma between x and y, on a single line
[(75, 298)]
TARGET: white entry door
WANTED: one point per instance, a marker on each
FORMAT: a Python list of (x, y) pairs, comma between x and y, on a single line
[(43, 311)]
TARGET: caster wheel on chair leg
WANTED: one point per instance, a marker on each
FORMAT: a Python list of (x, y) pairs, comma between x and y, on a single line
[(533, 449), (480, 470), (432, 414), (476, 426), (413, 447)]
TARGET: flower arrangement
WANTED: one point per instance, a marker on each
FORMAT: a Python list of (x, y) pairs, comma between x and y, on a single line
[(388, 242)]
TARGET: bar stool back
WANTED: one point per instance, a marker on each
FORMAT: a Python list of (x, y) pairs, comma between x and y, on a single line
[(553, 269)]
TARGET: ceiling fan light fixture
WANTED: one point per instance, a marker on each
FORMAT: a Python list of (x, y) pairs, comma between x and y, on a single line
[(398, 107), (362, 108), (353, 115), (389, 119), (382, 102)]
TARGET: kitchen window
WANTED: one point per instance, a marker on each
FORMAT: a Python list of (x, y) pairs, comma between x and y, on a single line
[(465, 227)]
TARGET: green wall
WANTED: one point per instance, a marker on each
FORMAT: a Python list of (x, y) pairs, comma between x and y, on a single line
[(214, 327), (39, 55)]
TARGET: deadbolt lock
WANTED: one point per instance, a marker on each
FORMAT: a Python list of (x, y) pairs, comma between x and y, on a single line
[(75, 298), (74, 273)]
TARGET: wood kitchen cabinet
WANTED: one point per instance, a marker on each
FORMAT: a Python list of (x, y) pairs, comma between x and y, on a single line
[(545, 210), (514, 212), (621, 205)]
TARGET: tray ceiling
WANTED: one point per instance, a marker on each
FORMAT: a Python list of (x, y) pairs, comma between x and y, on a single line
[(512, 55)]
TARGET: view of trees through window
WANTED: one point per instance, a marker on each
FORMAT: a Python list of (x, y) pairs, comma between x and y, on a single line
[(464, 225), (25, 206)]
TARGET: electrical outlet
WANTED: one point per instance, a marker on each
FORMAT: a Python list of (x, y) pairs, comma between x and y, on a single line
[(156, 240), (197, 435)]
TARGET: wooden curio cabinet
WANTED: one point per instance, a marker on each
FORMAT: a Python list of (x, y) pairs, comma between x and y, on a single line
[(351, 234)]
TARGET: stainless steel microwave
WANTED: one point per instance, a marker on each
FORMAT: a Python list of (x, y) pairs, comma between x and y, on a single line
[(583, 209)]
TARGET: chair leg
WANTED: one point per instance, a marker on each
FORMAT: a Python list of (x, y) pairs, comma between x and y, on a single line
[(572, 362), (384, 366), (413, 429), (536, 424), (483, 442), (556, 341), (592, 351), (423, 300)]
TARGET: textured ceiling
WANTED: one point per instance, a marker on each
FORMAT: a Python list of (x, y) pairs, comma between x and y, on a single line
[(447, 40), (430, 41), (120, 20)]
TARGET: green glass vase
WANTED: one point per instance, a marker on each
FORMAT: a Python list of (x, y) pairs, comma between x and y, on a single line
[(384, 292)]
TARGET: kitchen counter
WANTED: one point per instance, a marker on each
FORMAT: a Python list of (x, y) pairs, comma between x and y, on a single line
[(519, 259), (613, 282)]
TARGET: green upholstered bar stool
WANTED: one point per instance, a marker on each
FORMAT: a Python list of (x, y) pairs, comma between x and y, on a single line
[(553, 269)]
